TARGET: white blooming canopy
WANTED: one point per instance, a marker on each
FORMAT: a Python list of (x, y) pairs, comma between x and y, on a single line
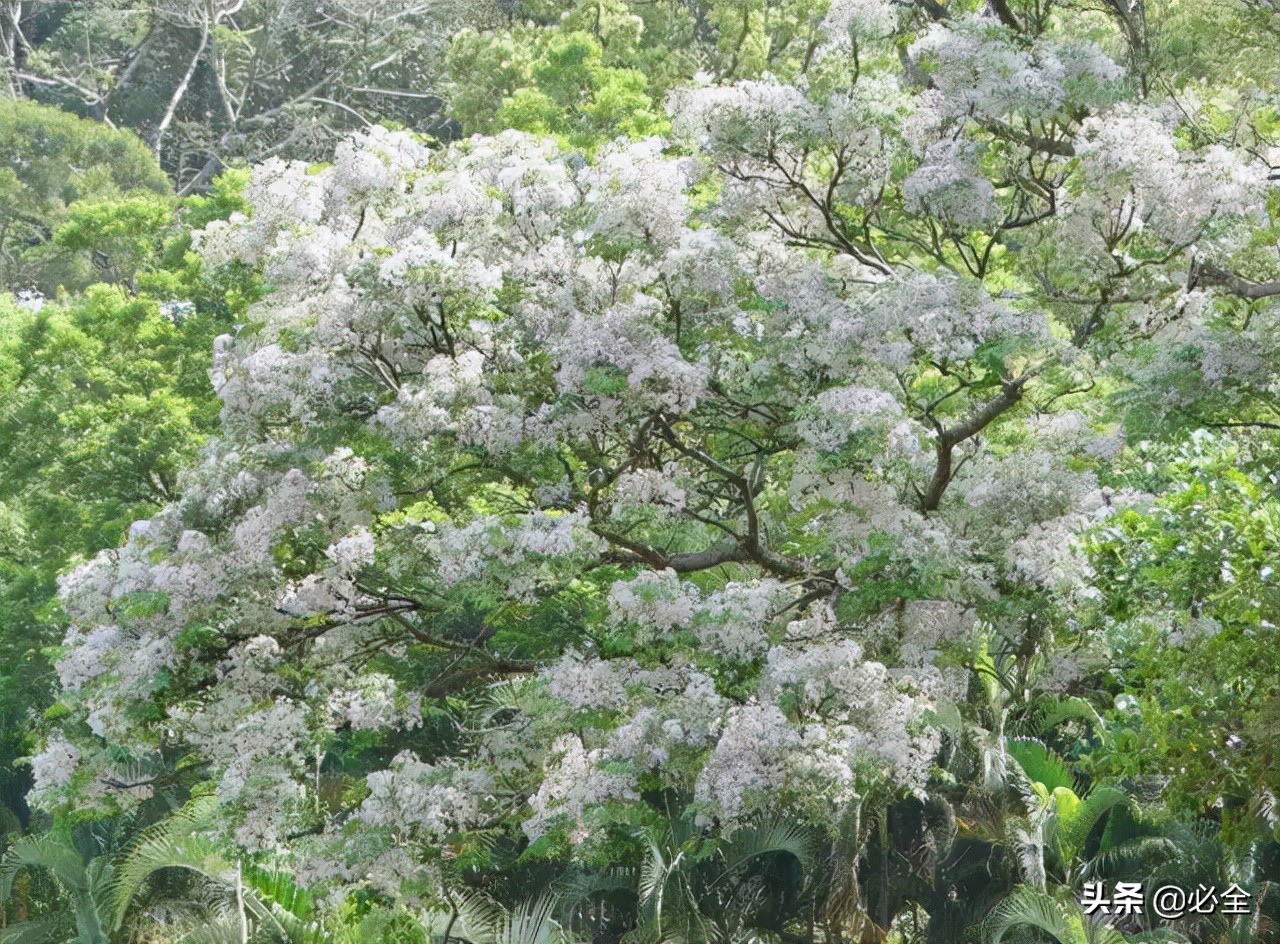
[(681, 469)]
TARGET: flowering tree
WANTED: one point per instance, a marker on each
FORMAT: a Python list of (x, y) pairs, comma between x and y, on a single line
[(559, 493)]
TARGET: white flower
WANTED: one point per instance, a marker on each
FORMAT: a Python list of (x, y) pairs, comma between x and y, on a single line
[(655, 599), (53, 767)]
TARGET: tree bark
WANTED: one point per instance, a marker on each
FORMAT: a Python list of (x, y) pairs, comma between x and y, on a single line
[(181, 91), (951, 437)]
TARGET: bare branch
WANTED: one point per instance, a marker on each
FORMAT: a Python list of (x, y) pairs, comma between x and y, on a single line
[(180, 92)]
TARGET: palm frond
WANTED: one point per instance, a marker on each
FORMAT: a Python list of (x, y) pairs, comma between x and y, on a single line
[(52, 851), (35, 931), (1028, 907), (176, 842), (1040, 764), (1137, 857), (1048, 713), (531, 922), (278, 887), (580, 886), (224, 929), (480, 917), (1159, 936), (511, 694), (778, 835), (653, 875), (1073, 829), (484, 921)]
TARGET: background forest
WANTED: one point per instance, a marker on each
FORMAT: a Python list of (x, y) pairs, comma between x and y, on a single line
[(523, 472)]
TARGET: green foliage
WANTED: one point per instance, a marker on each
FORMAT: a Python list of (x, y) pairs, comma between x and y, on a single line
[(79, 202), (567, 89), (102, 414), (1197, 568), (104, 395), (119, 235)]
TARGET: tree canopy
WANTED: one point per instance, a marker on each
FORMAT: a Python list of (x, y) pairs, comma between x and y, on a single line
[(795, 471)]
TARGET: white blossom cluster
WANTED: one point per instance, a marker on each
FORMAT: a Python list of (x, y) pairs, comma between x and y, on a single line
[(868, 713), (926, 628), (942, 317), (573, 782), (589, 683), (749, 116), (851, 20), (1049, 554), (652, 489), (654, 600), (376, 703), (688, 714), (825, 721), (430, 802), (282, 193), (525, 550), (842, 412), (1138, 178), (947, 185), (979, 67), (52, 768), (732, 622), (751, 761), (626, 339)]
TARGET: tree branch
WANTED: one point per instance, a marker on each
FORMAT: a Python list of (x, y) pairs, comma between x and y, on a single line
[(1206, 273), (634, 552), (1060, 148), (180, 92), (949, 438), (751, 542)]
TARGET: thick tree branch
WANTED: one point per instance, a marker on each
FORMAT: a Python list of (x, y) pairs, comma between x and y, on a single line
[(751, 543), (1206, 273), (952, 436), (1055, 146), (934, 10), (634, 552), (1001, 10)]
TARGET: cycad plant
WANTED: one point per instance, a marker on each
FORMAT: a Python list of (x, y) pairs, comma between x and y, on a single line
[(749, 885), (105, 879), (1032, 915), (85, 884)]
